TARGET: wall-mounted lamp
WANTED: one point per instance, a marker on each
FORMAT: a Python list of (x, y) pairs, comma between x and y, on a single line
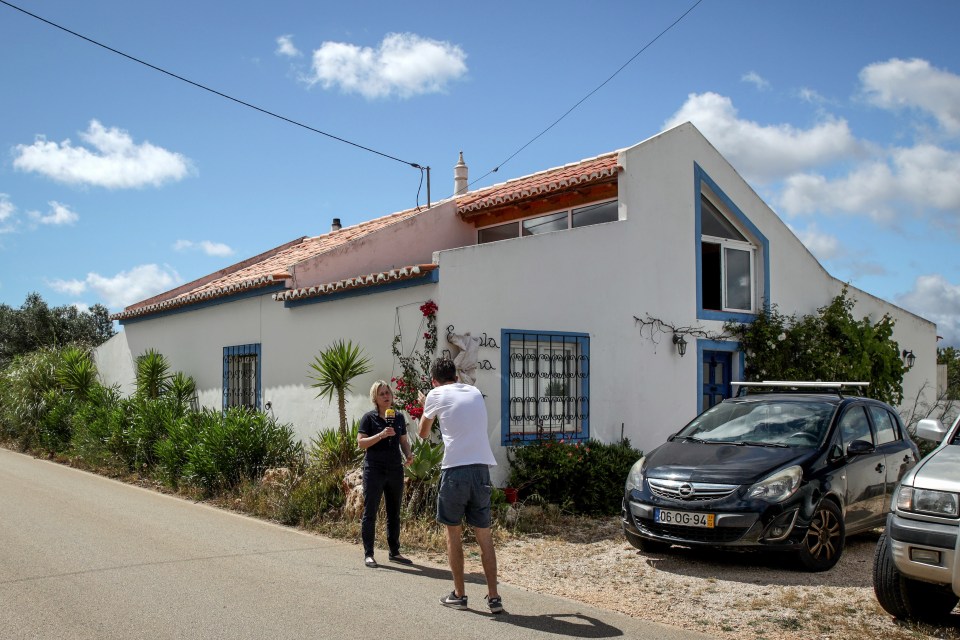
[(908, 358), (681, 344)]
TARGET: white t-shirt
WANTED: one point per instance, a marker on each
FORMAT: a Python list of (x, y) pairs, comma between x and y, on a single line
[(463, 424)]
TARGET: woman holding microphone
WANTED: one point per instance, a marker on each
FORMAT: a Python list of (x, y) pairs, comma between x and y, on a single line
[(383, 437)]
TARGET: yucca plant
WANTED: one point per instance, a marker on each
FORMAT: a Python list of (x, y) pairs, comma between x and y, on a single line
[(183, 389), (335, 367), (77, 372), (153, 374)]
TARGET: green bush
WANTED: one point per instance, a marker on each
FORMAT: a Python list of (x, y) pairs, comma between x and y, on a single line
[(98, 426), (172, 451), (29, 389), (583, 477), (151, 419), (240, 444)]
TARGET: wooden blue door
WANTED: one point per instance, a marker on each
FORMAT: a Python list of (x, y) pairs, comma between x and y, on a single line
[(716, 378)]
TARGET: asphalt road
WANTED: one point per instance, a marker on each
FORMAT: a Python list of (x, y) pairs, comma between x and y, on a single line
[(82, 556)]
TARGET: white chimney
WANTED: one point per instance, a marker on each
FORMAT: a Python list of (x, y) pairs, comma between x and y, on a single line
[(460, 177), (335, 226)]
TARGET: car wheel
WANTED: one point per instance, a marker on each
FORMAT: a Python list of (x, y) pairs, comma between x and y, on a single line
[(823, 543), (904, 598), (646, 544)]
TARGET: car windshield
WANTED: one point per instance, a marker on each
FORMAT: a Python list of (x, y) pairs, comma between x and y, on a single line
[(762, 423)]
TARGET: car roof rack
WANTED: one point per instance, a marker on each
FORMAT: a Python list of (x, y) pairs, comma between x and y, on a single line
[(793, 386)]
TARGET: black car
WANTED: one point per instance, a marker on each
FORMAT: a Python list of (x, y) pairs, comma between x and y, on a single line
[(790, 466)]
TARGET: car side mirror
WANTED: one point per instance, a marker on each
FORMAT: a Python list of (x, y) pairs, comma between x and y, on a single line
[(860, 447), (932, 430)]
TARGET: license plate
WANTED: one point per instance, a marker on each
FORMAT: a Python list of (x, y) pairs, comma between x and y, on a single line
[(684, 518)]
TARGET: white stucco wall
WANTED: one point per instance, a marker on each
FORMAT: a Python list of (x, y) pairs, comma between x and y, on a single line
[(115, 364), (290, 338), (594, 280), (591, 280)]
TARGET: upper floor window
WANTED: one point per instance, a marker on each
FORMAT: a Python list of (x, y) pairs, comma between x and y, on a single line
[(546, 393), (733, 256), (726, 265), (555, 221), (241, 376)]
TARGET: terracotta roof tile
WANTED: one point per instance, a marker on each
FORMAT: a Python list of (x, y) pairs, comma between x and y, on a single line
[(359, 282), (592, 170), (269, 268)]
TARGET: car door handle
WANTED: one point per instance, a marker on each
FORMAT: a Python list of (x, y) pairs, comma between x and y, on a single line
[(880, 468)]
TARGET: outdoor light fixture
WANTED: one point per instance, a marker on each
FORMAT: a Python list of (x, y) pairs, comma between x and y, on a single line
[(681, 344), (907, 355)]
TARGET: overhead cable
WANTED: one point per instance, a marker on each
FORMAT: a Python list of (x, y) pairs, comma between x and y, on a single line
[(584, 98), (213, 91)]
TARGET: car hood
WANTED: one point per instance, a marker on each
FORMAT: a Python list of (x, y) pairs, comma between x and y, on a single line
[(940, 470), (718, 463)]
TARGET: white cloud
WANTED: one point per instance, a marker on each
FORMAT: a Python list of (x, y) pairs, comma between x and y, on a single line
[(918, 178), (210, 248), (60, 214), (405, 64), (114, 162), (810, 95), (285, 47), (125, 288), (755, 79), (765, 153), (938, 300), (914, 84), (82, 307), (822, 245), (7, 209)]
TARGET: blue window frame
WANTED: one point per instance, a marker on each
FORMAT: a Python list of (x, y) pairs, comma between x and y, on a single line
[(545, 388), (241, 376), (733, 257)]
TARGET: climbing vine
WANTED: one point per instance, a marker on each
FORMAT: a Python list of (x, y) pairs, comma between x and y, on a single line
[(415, 368)]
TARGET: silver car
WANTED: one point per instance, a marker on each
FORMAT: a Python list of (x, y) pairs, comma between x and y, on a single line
[(916, 568)]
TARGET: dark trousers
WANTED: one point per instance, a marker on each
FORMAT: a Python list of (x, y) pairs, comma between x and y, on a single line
[(377, 482)]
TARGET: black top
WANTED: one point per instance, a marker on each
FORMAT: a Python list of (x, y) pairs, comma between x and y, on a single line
[(387, 451)]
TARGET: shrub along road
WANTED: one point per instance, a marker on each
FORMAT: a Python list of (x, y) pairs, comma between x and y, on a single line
[(88, 557)]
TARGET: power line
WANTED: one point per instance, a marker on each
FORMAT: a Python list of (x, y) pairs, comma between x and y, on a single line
[(584, 98), (213, 91)]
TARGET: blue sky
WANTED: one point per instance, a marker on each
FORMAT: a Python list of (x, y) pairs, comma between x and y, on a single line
[(118, 182)]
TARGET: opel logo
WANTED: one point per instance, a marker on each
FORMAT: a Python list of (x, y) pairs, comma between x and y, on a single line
[(686, 490)]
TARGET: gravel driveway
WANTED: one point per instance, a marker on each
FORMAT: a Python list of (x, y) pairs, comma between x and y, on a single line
[(729, 595)]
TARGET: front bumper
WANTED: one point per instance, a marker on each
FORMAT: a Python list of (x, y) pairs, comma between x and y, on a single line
[(739, 529), (910, 538)]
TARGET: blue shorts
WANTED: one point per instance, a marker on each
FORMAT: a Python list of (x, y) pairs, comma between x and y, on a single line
[(465, 494)]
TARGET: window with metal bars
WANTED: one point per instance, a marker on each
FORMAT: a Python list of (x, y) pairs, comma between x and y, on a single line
[(545, 387), (241, 376)]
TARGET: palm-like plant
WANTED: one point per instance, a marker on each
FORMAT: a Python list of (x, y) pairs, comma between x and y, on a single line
[(335, 367), (153, 374), (77, 372)]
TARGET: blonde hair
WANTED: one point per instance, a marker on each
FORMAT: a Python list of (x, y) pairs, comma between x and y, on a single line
[(376, 387)]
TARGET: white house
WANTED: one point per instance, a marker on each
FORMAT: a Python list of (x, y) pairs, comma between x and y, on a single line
[(550, 271)]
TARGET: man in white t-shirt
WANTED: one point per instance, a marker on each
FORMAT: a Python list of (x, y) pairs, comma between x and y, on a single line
[(464, 477)]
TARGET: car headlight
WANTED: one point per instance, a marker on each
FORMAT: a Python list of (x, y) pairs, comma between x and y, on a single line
[(635, 477), (937, 503), (778, 486)]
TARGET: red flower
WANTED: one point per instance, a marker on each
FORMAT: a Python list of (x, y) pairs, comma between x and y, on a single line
[(427, 336), (429, 308)]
